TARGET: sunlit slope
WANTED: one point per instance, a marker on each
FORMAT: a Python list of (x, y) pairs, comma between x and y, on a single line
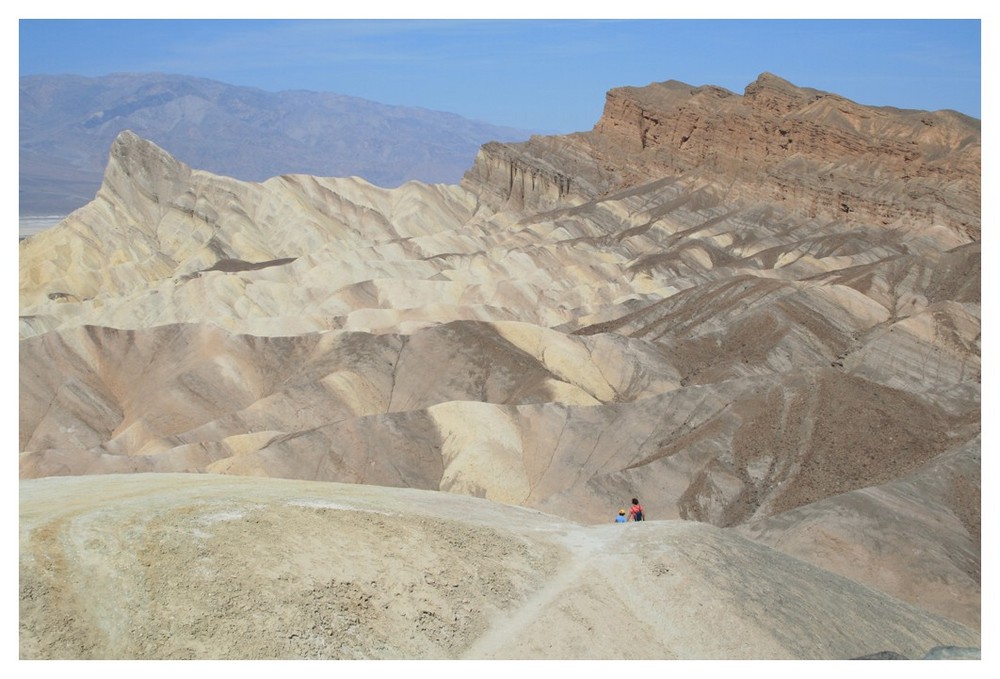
[(224, 567)]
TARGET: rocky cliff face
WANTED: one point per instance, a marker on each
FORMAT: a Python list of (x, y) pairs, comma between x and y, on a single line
[(816, 154), (760, 312), (517, 181)]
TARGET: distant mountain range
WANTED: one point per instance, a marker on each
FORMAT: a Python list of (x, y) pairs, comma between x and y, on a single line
[(68, 122)]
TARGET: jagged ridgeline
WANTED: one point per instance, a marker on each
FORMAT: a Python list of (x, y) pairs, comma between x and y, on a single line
[(760, 311)]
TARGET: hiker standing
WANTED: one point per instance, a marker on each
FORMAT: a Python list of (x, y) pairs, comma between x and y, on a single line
[(635, 513)]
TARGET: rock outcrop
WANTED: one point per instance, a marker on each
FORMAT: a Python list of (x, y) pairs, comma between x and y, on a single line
[(761, 312), (817, 155)]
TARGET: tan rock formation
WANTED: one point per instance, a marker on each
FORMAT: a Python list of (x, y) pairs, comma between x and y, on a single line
[(675, 306)]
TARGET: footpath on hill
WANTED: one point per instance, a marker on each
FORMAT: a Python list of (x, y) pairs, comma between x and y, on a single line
[(202, 566)]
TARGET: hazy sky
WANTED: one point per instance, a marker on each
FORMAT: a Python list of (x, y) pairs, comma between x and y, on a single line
[(540, 75)]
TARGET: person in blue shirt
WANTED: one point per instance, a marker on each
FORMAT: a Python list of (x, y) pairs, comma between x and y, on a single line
[(621, 518)]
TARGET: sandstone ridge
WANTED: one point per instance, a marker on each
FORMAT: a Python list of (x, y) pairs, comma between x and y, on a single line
[(814, 153)]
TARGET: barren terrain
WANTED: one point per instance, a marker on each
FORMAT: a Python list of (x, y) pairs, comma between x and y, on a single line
[(758, 313), (208, 566)]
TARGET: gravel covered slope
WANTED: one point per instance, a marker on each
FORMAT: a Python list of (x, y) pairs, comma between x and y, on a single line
[(202, 566)]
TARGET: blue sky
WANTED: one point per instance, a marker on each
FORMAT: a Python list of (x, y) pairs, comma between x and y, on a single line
[(540, 75)]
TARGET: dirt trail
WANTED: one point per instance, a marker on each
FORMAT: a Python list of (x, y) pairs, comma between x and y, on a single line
[(173, 566), (584, 545)]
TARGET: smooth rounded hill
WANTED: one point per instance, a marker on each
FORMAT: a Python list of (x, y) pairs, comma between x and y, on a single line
[(185, 566)]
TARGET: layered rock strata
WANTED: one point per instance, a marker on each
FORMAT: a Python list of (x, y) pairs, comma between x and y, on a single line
[(675, 305), (816, 154)]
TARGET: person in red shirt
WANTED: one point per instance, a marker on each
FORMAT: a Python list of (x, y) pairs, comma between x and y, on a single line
[(635, 513)]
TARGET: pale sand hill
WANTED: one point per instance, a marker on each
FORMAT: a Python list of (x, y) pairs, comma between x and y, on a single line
[(188, 566)]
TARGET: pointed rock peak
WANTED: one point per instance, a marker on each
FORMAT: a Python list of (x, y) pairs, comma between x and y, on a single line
[(127, 137), (129, 145), (139, 154), (140, 162)]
